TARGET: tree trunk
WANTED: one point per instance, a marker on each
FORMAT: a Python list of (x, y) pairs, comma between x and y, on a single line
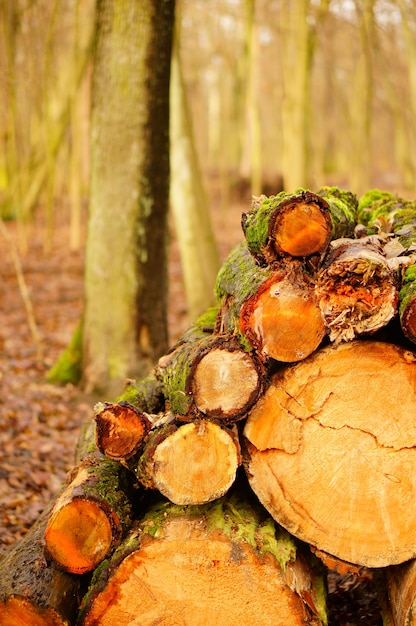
[(33, 591), (331, 447), (191, 463), (125, 327), (222, 563)]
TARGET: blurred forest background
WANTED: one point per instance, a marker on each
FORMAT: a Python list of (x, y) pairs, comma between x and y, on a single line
[(299, 93)]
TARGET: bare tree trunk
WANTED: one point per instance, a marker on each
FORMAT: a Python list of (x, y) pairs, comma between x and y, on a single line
[(125, 326)]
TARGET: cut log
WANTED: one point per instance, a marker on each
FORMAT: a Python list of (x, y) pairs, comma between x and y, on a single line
[(287, 225), (194, 463), (276, 311), (407, 306), (33, 592), (90, 517), (331, 451), (356, 289), (213, 377), (120, 429), (220, 564)]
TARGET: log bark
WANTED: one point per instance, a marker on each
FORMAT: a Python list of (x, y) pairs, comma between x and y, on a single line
[(222, 563), (93, 512), (407, 303), (120, 429), (287, 225), (211, 376), (32, 591), (146, 394), (343, 207), (356, 289), (191, 463), (331, 449), (401, 588)]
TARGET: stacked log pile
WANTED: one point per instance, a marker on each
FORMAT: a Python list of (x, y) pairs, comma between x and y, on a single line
[(275, 441)]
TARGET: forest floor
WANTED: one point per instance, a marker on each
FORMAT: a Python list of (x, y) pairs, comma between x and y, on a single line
[(40, 422)]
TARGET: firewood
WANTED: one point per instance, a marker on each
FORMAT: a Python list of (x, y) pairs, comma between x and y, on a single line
[(223, 563), (146, 394), (356, 289), (93, 511), (331, 449), (32, 591), (191, 463), (384, 212), (294, 225), (275, 310), (343, 206), (211, 376), (120, 429)]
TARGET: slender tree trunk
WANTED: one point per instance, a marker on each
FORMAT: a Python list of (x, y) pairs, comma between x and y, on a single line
[(125, 327), (198, 249)]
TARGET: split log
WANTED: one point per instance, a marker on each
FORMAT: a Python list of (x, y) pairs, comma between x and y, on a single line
[(211, 376), (32, 591), (407, 306), (275, 310), (91, 515), (331, 451), (223, 563), (287, 225), (356, 289), (194, 463), (120, 429)]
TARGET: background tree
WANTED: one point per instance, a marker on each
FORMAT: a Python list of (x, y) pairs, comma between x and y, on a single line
[(125, 327)]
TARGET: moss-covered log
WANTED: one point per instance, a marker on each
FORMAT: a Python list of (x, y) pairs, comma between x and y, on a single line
[(190, 463), (407, 303), (32, 591), (332, 449), (145, 394), (386, 213), (120, 429), (356, 289), (274, 310), (343, 207), (401, 588), (211, 376), (287, 225), (90, 517), (223, 563)]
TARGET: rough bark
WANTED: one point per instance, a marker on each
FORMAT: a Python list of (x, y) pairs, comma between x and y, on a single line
[(32, 591), (191, 463), (407, 306), (287, 225), (274, 310), (343, 206), (145, 394), (120, 429), (331, 447), (125, 321), (223, 563), (356, 289)]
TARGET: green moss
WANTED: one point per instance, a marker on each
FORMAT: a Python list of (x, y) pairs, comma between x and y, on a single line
[(408, 290), (145, 395), (68, 368), (343, 206)]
